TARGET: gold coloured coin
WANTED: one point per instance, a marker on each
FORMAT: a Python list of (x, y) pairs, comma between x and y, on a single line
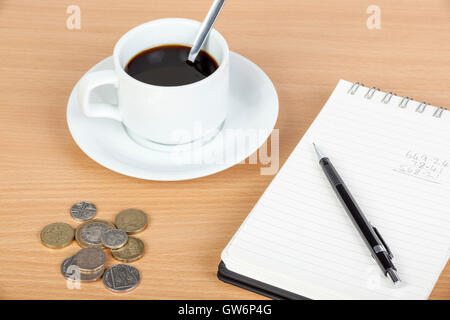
[(89, 233), (131, 220), (133, 250), (57, 235)]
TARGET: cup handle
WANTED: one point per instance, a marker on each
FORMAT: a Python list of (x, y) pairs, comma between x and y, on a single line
[(87, 84)]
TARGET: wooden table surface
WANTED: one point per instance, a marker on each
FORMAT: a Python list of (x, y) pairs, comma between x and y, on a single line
[(304, 46)]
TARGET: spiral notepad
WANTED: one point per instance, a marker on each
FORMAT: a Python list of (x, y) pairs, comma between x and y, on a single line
[(393, 154)]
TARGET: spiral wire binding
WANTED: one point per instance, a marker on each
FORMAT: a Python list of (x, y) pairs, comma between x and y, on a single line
[(355, 86), (404, 103), (371, 92), (388, 96), (438, 112), (421, 108)]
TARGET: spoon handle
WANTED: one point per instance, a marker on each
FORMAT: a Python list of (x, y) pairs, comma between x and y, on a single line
[(205, 28)]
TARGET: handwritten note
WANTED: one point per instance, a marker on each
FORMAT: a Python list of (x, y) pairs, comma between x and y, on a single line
[(423, 166)]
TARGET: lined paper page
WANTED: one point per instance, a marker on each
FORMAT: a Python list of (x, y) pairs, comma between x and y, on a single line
[(396, 163)]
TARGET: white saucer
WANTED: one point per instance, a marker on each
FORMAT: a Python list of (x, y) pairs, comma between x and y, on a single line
[(252, 116)]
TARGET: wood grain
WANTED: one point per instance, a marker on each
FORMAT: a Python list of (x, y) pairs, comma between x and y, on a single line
[(304, 46)]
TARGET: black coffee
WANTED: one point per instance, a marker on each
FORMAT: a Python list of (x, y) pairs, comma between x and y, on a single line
[(167, 66)]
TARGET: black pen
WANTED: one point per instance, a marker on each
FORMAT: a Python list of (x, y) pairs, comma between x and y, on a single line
[(378, 248)]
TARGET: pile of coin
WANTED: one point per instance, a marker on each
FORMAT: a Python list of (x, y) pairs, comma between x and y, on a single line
[(87, 265), (94, 236)]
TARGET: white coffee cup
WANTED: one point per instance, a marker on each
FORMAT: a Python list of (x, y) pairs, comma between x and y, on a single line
[(157, 114)]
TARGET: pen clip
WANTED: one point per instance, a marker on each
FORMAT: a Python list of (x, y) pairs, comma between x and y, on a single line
[(389, 252)]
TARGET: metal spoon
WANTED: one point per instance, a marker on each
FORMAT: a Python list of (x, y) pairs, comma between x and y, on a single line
[(205, 28)]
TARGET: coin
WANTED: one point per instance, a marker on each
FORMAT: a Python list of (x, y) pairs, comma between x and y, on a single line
[(131, 220), (57, 235), (89, 233), (92, 233), (72, 272), (83, 211), (90, 259), (114, 238), (121, 278), (133, 250)]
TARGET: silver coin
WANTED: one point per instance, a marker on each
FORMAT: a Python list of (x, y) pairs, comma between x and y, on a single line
[(83, 211), (92, 233), (72, 272), (114, 238), (90, 259), (121, 278)]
